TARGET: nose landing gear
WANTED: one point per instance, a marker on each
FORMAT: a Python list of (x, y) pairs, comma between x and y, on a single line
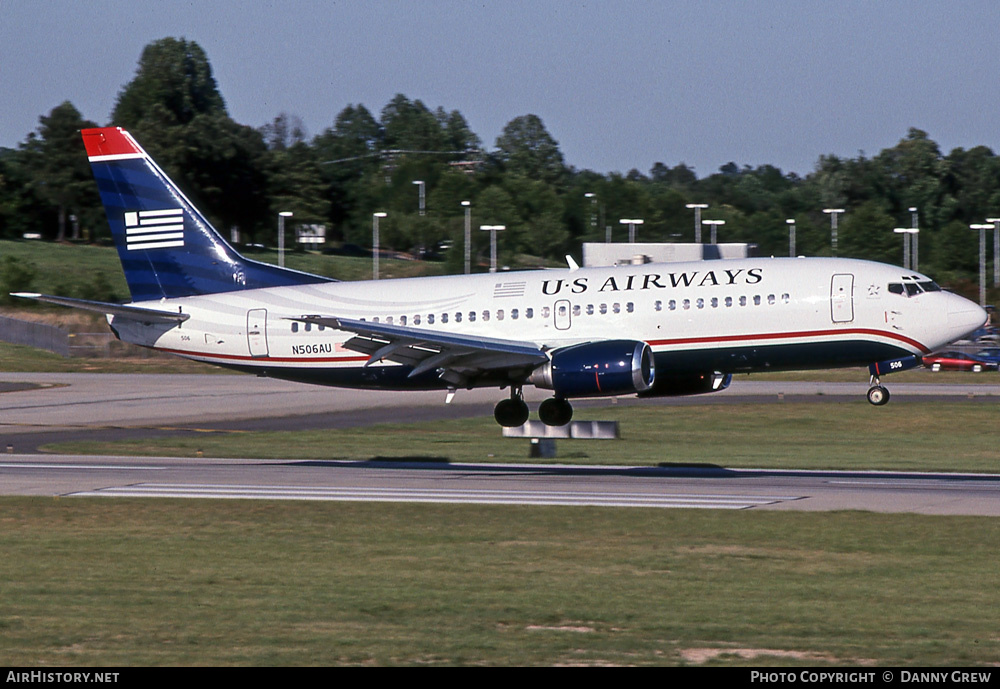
[(877, 394)]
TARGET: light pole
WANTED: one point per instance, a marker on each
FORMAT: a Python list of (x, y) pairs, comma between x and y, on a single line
[(982, 259), (420, 184), (833, 212), (593, 210), (468, 236), (631, 222), (791, 237), (914, 217), (697, 219), (493, 229), (909, 236), (714, 224), (996, 249), (281, 236), (375, 243)]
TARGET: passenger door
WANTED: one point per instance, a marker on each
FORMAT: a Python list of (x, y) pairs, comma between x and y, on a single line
[(842, 298)]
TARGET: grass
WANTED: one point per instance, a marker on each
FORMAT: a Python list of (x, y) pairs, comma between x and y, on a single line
[(903, 436), (163, 582)]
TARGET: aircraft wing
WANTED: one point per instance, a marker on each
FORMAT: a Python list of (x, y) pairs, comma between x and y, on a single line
[(460, 356), (136, 313)]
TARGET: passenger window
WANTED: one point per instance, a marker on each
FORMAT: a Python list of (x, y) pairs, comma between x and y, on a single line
[(513, 314), (472, 316), (486, 315), (700, 303), (603, 308), (715, 302), (388, 319), (629, 307), (416, 319), (729, 301), (672, 304), (529, 312), (686, 304), (743, 301), (545, 312), (786, 298), (458, 316), (430, 319), (576, 309), (658, 305), (295, 326), (309, 327), (500, 314), (444, 318), (770, 299), (590, 309), (756, 300), (402, 320), (616, 308)]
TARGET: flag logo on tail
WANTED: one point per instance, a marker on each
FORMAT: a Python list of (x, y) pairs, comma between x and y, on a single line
[(161, 229)]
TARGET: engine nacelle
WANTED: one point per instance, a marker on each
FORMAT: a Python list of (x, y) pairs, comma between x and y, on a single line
[(595, 369)]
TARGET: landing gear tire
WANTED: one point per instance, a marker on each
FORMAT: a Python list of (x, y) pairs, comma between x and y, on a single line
[(555, 412), (878, 395), (511, 413)]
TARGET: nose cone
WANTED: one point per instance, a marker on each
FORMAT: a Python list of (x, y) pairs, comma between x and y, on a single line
[(964, 317)]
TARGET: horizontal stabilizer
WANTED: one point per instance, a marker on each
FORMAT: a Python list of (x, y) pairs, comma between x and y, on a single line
[(137, 313)]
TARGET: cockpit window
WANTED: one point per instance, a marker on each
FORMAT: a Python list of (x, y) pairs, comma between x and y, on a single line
[(912, 289)]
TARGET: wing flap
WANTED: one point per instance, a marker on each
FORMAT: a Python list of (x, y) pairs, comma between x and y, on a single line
[(424, 350)]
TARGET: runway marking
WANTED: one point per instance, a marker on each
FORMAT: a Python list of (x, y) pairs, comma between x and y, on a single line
[(454, 496), (83, 467)]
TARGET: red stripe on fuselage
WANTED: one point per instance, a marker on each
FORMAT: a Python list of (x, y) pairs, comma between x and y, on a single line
[(717, 339)]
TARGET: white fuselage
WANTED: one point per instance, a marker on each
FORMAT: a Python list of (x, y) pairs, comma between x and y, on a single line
[(726, 315)]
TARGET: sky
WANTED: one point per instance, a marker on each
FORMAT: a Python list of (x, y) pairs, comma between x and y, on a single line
[(619, 84)]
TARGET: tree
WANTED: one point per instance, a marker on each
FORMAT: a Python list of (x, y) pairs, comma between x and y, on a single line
[(172, 85), (60, 174), (174, 108), (525, 148)]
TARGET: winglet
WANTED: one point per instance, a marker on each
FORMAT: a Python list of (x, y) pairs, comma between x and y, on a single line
[(572, 264)]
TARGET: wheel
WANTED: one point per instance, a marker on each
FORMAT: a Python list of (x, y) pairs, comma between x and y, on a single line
[(935, 367), (555, 412), (878, 395), (511, 413), (977, 368)]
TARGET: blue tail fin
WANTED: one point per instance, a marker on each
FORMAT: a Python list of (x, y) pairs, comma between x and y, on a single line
[(167, 247)]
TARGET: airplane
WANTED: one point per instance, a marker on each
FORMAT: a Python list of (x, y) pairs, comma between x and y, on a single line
[(648, 330)]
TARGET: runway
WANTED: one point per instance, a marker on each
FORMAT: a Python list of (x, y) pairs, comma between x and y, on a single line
[(43, 407), (646, 487)]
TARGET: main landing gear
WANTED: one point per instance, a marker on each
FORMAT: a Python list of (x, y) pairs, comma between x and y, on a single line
[(513, 411), (554, 411), (877, 394)]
